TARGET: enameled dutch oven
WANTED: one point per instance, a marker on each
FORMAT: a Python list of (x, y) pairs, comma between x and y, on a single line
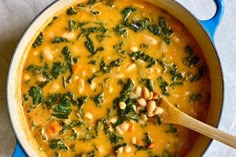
[(203, 31)]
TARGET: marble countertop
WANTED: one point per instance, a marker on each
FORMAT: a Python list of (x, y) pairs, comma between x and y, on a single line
[(15, 15)]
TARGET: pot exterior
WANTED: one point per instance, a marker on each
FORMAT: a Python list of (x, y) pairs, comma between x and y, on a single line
[(205, 42)]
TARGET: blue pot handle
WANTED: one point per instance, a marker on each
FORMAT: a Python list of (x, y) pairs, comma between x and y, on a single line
[(211, 25), (18, 152)]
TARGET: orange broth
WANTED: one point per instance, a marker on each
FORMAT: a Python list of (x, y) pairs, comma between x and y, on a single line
[(90, 58)]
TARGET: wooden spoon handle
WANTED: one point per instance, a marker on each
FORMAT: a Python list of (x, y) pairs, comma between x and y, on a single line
[(207, 130)]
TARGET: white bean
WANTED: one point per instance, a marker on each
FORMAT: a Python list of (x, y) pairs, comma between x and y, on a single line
[(146, 93), (163, 47), (120, 150), (93, 85), (128, 149), (138, 91), (133, 95), (134, 48), (113, 120), (54, 87), (151, 105), (122, 105), (26, 77), (69, 36), (144, 117), (41, 78), (119, 131), (124, 126), (134, 140), (131, 67), (81, 86), (150, 40), (158, 111), (48, 54), (88, 115), (142, 102)]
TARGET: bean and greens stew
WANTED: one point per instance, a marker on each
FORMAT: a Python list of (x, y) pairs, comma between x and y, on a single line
[(92, 76)]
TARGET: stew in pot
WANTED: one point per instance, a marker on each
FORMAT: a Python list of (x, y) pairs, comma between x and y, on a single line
[(92, 74)]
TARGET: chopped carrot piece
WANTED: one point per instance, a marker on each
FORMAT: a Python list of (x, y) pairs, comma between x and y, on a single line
[(176, 26), (131, 127), (53, 129), (75, 68), (139, 142), (152, 145)]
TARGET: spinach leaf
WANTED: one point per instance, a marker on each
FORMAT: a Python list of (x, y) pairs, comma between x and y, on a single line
[(91, 2), (128, 87), (67, 54), (36, 95), (189, 50), (163, 86), (107, 68), (144, 57), (147, 83), (162, 23), (198, 75), (52, 99), (139, 147), (88, 30), (90, 46), (53, 19), (118, 49), (94, 12), (140, 25), (171, 129), (57, 69), (71, 11), (161, 29), (72, 25), (155, 29), (119, 146), (128, 113), (59, 40), (81, 100), (147, 141), (57, 144), (121, 30), (176, 75), (114, 138), (40, 70), (38, 41), (90, 80), (73, 124), (98, 124), (195, 97), (126, 13), (191, 59), (98, 99), (131, 115), (62, 108)]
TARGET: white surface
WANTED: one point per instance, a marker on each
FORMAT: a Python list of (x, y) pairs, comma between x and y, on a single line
[(15, 15)]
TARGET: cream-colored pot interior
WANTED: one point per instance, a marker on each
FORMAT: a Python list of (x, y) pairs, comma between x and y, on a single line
[(14, 78)]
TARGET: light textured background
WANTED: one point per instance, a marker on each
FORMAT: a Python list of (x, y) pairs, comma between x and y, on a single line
[(15, 15)]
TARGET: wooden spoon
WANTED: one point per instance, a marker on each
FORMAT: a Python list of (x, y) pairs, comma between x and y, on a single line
[(172, 115)]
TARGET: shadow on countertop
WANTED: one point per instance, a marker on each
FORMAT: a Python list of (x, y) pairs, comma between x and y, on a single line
[(7, 138)]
